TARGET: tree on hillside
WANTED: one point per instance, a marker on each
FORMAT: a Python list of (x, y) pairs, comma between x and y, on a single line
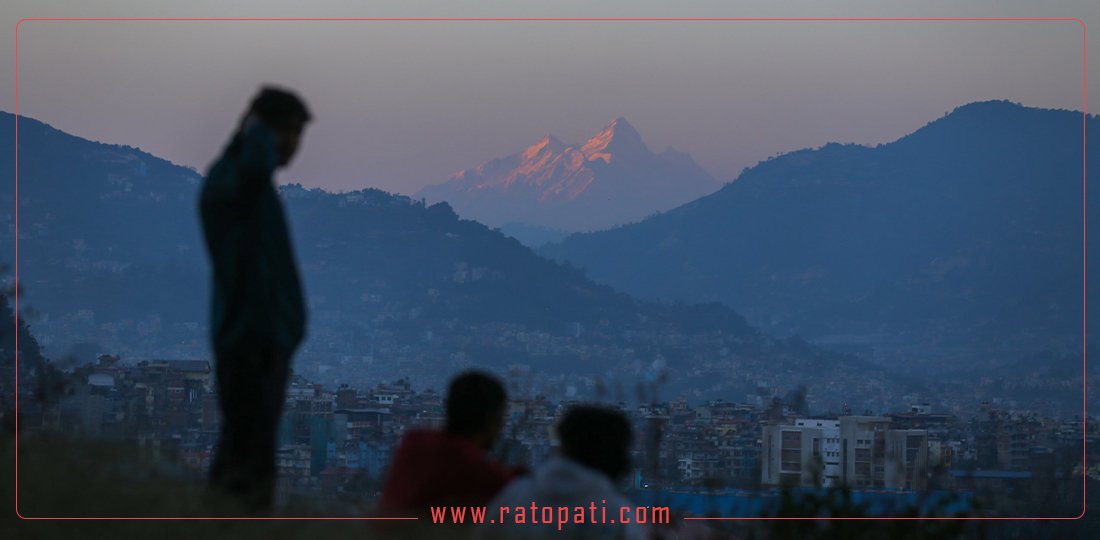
[(39, 381)]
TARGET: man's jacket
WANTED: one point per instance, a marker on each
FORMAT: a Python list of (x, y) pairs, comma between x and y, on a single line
[(257, 295)]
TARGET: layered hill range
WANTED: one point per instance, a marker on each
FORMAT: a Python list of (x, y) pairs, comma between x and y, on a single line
[(611, 179), (111, 252), (965, 235)]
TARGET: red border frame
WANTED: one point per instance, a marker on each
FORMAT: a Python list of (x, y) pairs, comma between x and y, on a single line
[(1084, 243)]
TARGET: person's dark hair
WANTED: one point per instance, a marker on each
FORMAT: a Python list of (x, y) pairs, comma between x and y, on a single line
[(598, 438), (473, 399), (274, 105)]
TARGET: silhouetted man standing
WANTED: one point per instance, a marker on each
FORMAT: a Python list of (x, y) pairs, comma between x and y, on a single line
[(257, 314)]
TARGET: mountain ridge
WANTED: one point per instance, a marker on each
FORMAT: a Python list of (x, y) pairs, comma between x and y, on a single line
[(113, 230), (611, 178), (926, 235)]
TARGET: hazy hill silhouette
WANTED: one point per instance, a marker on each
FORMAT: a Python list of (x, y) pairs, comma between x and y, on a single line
[(109, 235), (102, 227), (968, 230)]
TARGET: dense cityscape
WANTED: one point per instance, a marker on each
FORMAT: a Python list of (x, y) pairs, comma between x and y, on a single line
[(335, 442)]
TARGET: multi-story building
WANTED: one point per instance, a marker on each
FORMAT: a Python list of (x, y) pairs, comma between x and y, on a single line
[(858, 451), (806, 453), (863, 450), (906, 460), (827, 448)]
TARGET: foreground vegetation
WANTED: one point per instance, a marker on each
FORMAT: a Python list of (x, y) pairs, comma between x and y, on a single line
[(64, 478)]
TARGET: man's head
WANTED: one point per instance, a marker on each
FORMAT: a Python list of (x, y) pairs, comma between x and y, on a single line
[(286, 114), (475, 407), (598, 438)]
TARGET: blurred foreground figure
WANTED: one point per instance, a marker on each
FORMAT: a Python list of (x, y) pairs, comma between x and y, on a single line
[(257, 314), (452, 467), (581, 478)]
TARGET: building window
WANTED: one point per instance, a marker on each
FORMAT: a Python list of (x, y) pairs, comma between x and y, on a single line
[(790, 455)]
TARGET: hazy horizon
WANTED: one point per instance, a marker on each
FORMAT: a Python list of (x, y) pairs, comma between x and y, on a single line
[(533, 142), (400, 105)]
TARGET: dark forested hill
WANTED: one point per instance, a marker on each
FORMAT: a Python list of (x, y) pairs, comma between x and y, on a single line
[(110, 245), (967, 231)]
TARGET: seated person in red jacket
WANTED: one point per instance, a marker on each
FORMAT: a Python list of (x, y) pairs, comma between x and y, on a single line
[(451, 467)]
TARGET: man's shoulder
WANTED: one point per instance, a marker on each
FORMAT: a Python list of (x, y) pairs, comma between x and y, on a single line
[(253, 147), (436, 438), (420, 437), (427, 443), (517, 492)]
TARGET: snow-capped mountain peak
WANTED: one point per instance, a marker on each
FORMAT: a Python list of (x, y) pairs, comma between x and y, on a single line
[(618, 139), (612, 178)]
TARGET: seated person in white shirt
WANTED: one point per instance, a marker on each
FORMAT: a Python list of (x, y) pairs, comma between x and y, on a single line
[(575, 489)]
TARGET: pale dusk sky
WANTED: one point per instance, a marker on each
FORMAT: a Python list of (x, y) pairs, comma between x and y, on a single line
[(403, 104)]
